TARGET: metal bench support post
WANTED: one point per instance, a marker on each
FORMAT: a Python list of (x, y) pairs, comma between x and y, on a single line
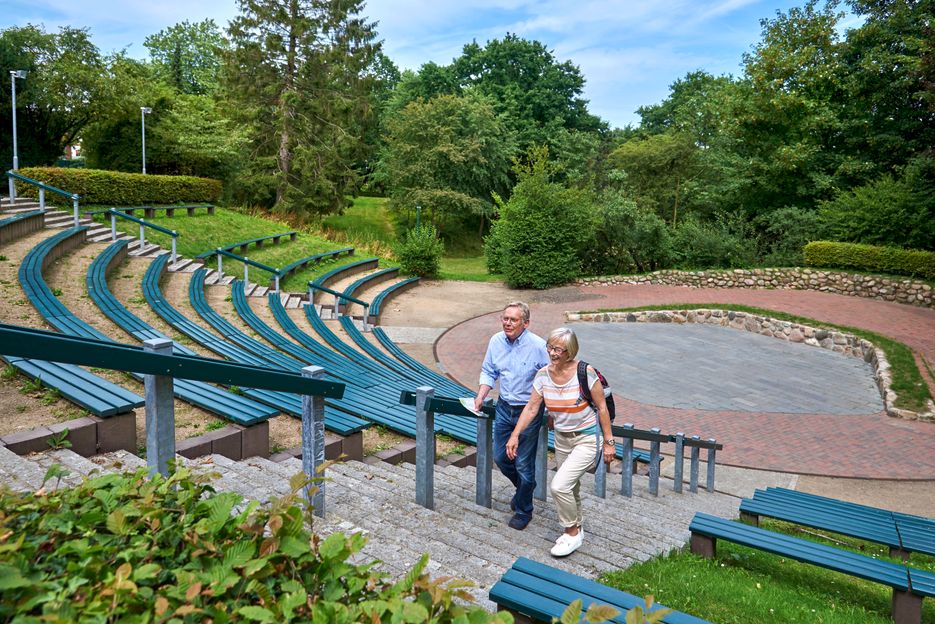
[(626, 475), (484, 469), (74, 203), (425, 448), (542, 460), (160, 413), (113, 227), (313, 443), (42, 198), (709, 484), (693, 470), (276, 283), (654, 465), (679, 462)]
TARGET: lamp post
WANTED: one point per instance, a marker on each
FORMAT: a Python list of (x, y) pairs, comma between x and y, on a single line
[(14, 74), (143, 111)]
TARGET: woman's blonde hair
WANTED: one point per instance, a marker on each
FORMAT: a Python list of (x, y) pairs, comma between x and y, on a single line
[(567, 338)]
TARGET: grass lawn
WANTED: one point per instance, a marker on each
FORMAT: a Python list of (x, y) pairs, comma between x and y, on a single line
[(365, 221), (747, 586), (912, 393)]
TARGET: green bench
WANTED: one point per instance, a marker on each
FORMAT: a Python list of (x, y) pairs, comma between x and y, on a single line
[(21, 224), (244, 244), (536, 592), (907, 595), (903, 533), (292, 267), (150, 211), (376, 306)]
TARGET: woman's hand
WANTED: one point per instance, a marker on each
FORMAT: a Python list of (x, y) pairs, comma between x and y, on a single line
[(512, 445), (609, 452)]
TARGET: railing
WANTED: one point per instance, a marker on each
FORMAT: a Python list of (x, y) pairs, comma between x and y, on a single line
[(143, 225), (247, 262), (427, 405), (160, 366), (338, 298), (12, 176)]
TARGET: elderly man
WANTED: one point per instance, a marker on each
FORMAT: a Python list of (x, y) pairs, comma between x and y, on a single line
[(513, 357)]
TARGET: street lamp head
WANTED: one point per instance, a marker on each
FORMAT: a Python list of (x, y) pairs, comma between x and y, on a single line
[(146, 109), (18, 73)]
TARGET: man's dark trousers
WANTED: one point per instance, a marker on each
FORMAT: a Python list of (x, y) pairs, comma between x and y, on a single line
[(522, 470)]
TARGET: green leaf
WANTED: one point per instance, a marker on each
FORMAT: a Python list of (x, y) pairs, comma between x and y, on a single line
[(295, 546), (239, 554), (256, 614), (333, 546), (11, 577), (117, 522)]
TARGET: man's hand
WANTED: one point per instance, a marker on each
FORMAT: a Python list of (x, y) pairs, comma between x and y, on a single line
[(511, 446)]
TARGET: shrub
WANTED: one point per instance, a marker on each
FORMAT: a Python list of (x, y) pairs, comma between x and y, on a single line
[(543, 228), (493, 249), (130, 548), (628, 238), (726, 244), (785, 232), (420, 251), (114, 188), (871, 258), (895, 212)]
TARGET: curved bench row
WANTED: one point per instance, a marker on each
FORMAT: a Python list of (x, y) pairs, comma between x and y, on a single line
[(21, 224), (242, 245), (242, 410), (93, 393)]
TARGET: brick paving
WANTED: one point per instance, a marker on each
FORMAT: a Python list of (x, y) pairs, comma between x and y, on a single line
[(871, 446)]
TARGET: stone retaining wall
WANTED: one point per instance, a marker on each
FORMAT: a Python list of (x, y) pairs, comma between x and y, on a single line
[(837, 341), (905, 290)]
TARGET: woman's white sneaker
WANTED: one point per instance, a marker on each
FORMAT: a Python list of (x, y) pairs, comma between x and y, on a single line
[(567, 544)]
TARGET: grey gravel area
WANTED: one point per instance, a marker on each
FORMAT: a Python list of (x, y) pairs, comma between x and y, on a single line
[(718, 368)]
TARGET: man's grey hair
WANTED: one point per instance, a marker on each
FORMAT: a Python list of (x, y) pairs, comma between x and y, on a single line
[(522, 307)]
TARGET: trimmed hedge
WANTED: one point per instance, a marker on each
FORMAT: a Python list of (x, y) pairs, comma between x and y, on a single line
[(97, 186), (871, 258)]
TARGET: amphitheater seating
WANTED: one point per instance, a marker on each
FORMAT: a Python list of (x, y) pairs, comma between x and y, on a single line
[(376, 306), (292, 267), (244, 244), (21, 224)]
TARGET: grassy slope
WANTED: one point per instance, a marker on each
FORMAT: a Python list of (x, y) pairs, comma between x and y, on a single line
[(746, 586)]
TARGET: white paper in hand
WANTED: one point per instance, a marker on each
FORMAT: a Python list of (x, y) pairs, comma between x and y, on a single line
[(468, 404)]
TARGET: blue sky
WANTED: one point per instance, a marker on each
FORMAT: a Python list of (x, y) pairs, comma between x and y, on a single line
[(629, 51)]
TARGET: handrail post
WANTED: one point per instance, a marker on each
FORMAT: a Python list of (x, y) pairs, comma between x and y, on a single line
[(220, 265), (425, 448), (276, 283), (313, 443), (693, 470), (626, 476), (142, 237), (654, 465), (679, 461), (42, 197), (175, 237), (709, 484), (246, 272), (74, 203), (113, 226), (600, 471), (542, 459), (337, 306), (12, 190), (160, 413), (484, 469)]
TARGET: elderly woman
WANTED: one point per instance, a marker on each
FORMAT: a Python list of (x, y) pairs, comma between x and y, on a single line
[(582, 431)]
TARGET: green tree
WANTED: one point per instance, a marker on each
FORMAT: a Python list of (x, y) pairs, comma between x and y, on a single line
[(60, 95), (447, 155), (544, 228), (297, 77), (188, 56), (628, 238)]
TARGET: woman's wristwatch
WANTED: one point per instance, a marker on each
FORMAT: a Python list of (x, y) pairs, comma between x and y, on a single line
[(610, 442)]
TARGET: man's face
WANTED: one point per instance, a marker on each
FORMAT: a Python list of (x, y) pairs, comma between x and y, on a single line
[(513, 323)]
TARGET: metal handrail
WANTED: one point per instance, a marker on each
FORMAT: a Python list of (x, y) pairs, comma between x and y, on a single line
[(339, 295), (114, 213), (221, 252), (43, 187)]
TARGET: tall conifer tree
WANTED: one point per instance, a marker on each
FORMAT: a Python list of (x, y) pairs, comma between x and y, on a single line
[(297, 74)]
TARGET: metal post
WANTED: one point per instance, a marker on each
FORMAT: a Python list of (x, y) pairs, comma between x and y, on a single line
[(14, 74), (276, 285), (160, 413), (600, 471), (425, 448), (626, 476), (313, 443), (709, 485), (679, 461), (143, 111), (542, 460), (693, 470), (337, 306), (142, 237), (246, 274), (220, 265), (42, 197), (175, 237), (74, 204), (113, 227), (483, 472), (12, 190), (654, 465)]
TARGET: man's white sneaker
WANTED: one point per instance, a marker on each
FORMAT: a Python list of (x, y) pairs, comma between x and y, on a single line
[(567, 544)]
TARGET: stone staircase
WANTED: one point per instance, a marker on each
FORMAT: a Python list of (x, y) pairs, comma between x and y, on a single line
[(463, 539)]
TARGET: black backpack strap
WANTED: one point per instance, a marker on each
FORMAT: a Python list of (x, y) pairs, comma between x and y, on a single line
[(583, 382)]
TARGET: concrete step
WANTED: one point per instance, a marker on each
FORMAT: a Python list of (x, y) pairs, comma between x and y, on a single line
[(147, 250), (180, 264), (227, 280), (211, 277), (259, 291), (294, 302)]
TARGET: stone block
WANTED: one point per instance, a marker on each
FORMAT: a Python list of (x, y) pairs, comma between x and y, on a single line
[(293, 453), (194, 447), (25, 442), (371, 459), (703, 546), (255, 440), (407, 451), (228, 442), (116, 433), (468, 458), (335, 447), (390, 456), (82, 434)]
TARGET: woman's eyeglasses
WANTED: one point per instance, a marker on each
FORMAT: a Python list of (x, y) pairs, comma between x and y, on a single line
[(554, 349)]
